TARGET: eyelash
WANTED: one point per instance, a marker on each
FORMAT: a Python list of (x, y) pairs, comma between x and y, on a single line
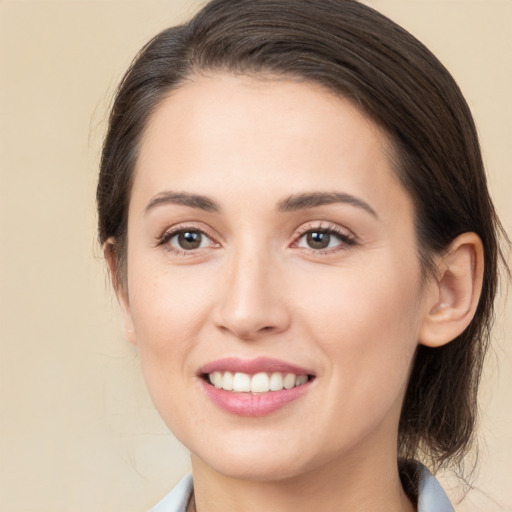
[(346, 240), (169, 235)]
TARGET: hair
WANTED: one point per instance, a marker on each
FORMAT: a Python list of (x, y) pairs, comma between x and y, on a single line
[(397, 82)]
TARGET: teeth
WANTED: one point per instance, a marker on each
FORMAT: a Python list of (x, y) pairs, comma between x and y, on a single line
[(258, 383), (276, 382), (289, 381), (227, 382), (217, 379), (241, 382)]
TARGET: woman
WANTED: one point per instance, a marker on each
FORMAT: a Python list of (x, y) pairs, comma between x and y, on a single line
[(295, 216)]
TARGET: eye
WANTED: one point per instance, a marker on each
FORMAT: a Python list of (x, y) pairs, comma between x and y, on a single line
[(322, 239), (185, 240)]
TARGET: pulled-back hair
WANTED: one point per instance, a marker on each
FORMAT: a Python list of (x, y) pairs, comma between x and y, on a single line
[(392, 78)]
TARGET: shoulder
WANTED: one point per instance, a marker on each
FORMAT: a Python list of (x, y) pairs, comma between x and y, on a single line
[(177, 499)]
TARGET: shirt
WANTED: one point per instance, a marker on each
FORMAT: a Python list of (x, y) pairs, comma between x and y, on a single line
[(431, 496)]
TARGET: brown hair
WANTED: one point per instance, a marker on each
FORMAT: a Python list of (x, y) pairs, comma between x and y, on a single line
[(363, 56)]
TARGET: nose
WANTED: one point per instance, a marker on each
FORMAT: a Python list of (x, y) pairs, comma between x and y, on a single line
[(253, 303)]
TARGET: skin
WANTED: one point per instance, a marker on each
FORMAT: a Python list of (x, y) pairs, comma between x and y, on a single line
[(353, 314)]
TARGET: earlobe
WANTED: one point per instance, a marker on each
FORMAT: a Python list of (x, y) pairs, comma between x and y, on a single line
[(455, 292), (120, 290)]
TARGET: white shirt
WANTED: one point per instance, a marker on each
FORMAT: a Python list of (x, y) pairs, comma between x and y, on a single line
[(431, 497)]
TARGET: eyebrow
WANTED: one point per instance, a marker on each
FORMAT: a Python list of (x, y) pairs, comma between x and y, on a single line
[(293, 203), (314, 199), (183, 199)]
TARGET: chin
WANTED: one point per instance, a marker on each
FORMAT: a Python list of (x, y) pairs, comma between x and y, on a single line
[(257, 461), (256, 469)]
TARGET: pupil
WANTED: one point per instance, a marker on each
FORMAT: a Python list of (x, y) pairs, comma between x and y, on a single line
[(318, 240), (189, 239)]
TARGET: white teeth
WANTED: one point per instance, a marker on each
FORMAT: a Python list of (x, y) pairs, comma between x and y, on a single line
[(289, 381), (217, 379), (301, 379), (276, 382), (227, 382), (259, 383), (241, 382)]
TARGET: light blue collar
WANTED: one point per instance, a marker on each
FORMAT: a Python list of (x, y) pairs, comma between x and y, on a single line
[(431, 496)]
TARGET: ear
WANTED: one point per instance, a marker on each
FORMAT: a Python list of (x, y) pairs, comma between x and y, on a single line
[(455, 291), (120, 290)]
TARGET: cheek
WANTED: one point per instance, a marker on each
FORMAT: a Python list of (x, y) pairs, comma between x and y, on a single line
[(167, 307), (168, 312), (367, 325), (378, 299)]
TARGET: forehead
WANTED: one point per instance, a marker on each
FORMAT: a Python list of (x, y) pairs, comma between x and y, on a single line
[(254, 102), (272, 134)]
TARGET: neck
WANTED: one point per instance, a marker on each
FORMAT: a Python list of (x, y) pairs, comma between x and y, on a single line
[(368, 485)]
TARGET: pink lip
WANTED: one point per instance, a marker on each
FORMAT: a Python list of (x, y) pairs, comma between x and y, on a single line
[(252, 366), (248, 404)]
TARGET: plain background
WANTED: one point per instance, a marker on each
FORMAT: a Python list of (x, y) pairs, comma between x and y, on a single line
[(77, 429)]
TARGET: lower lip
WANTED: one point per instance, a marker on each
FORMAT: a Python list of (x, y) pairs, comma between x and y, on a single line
[(247, 404)]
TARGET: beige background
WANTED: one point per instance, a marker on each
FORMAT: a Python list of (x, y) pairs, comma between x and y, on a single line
[(77, 430)]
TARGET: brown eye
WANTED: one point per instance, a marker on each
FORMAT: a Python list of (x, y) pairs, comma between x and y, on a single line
[(318, 240), (324, 238), (188, 240)]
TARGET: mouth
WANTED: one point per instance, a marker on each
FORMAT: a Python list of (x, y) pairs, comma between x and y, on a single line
[(254, 387)]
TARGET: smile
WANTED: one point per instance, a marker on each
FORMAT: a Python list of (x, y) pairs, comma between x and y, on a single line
[(259, 383), (254, 387)]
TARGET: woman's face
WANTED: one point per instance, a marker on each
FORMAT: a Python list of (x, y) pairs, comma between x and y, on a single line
[(270, 245)]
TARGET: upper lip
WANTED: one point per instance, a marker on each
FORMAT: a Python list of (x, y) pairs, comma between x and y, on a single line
[(253, 366)]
